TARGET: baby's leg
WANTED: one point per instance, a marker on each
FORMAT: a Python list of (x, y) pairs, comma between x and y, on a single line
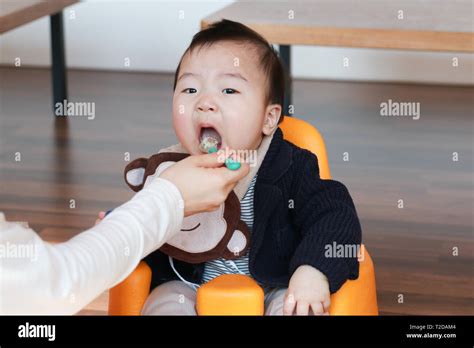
[(274, 300), (171, 298)]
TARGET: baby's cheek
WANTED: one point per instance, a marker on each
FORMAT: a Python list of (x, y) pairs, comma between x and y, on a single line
[(245, 138), (246, 127), (184, 130)]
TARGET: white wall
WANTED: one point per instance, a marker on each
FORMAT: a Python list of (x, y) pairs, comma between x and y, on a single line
[(102, 34)]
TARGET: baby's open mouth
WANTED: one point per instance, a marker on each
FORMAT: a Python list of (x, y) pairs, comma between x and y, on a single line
[(209, 139)]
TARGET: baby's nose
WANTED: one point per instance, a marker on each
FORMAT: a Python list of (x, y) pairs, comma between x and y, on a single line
[(206, 105)]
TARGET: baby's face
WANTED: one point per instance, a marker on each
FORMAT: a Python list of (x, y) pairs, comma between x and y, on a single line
[(221, 87)]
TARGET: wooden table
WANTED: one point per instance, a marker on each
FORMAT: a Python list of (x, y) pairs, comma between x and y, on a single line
[(428, 25), (14, 13)]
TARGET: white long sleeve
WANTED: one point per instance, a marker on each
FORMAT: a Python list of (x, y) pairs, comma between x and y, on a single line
[(37, 277)]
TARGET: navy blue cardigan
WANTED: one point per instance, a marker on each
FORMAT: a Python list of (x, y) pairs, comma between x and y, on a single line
[(296, 214)]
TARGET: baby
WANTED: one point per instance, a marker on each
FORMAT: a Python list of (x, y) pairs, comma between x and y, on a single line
[(228, 94)]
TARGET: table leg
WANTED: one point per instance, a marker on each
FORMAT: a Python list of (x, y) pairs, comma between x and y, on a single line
[(285, 54), (58, 67)]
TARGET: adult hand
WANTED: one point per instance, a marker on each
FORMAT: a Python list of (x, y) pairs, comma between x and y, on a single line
[(204, 181)]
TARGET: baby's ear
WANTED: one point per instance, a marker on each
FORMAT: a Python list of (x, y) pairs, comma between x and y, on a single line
[(272, 115), (134, 173)]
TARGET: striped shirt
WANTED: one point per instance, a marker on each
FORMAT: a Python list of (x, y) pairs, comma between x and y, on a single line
[(240, 265)]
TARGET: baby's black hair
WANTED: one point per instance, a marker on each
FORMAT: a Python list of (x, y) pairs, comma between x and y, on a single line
[(226, 30)]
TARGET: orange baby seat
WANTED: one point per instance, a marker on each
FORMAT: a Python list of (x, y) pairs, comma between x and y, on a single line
[(235, 294)]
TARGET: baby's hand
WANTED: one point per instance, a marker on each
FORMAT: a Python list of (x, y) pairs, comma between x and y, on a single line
[(308, 290)]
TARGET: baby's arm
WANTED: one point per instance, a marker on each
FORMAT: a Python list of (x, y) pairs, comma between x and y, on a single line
[(326, 217)]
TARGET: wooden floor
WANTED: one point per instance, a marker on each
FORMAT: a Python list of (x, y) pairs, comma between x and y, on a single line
[(390, 158)]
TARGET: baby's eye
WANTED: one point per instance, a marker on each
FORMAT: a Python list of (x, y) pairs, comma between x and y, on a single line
[(229, 91), (189, 90)]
